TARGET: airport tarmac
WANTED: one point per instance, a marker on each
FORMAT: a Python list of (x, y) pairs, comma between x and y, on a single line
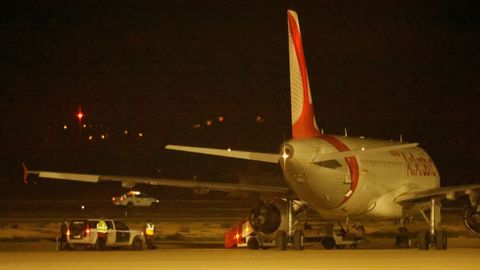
[(244, 259)]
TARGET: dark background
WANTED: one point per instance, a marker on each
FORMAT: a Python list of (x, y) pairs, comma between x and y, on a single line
[(379, 69)]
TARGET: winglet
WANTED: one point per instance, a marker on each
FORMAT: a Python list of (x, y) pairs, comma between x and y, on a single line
[(303, 117)]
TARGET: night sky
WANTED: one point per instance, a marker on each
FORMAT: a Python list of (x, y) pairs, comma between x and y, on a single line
[(166, 68)]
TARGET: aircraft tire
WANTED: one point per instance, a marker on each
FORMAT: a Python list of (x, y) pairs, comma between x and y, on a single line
[(441, 240), (298, 240), (281, 240), (423, 240)]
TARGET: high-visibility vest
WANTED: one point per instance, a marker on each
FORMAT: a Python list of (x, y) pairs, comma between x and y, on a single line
[(102, 227), (149, 228)]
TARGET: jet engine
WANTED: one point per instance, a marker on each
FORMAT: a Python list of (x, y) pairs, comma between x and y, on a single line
[(266, 218), (471, 218)]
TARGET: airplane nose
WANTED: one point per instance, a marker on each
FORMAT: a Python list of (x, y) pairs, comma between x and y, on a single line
[(286, 151)]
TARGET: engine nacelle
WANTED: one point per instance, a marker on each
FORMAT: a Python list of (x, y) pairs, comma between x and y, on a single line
[(471, 218), (266, 218)]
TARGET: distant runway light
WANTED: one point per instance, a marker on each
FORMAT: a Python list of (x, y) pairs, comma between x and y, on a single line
[(65, 127), (220, 119), (125, 132), (196, 126), (83, 207), (103, 137), (208, 123), (84, 125), (140, 134), (90, 137)]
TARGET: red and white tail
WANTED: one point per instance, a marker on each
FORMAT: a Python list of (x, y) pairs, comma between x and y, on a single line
[(303, 117)]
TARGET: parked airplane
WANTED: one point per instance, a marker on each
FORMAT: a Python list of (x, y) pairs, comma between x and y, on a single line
[(342, 178)]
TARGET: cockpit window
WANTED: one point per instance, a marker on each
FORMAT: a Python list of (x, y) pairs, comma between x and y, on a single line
[(331, 164)]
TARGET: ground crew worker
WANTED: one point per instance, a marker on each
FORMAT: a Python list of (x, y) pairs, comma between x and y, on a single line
[(102, 233), (149, 232), (63, 235)]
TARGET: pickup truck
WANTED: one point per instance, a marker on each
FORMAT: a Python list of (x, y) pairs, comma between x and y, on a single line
[(134, 199), (83, 232)]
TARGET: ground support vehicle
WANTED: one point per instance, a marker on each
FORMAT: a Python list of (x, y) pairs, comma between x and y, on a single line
[(135, 199), (330, 236), (83, 232)]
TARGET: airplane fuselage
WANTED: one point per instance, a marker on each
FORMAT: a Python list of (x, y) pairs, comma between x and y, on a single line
[(357, 186)]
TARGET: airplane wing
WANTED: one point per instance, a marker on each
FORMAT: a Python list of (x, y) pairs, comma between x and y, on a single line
[(130, 181), (265, 157), (449, 193)]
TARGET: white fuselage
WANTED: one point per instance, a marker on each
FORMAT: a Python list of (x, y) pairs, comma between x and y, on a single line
[(358, 186)]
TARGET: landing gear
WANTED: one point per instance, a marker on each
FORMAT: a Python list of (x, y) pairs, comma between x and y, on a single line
[(403, 238), (423, 240), (441, 240), (281, 240), (432, 236), (298, 240)]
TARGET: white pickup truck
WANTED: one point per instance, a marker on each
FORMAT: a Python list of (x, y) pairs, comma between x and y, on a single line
[(83, 232), (134, 199)]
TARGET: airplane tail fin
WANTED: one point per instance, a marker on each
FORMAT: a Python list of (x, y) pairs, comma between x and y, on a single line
[(303, 117)]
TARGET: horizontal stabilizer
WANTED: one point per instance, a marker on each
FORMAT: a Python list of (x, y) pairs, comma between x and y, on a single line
[(361, 152), (265, 157)]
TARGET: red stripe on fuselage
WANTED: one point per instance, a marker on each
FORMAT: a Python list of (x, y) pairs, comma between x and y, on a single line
[(304, 127), (351, 161)]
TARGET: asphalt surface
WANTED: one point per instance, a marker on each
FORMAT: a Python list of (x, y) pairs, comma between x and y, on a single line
[(244, 259)]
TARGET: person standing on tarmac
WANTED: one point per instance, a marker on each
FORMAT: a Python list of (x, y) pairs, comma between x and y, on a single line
[(63, 235), (149, 232), (102, 233)]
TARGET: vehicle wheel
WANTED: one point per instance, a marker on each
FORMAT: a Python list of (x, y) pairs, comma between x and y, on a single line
[(137, 244), (281, 240), (328, 242), (130, 205), (423, 240), (298, 240), (441, 240), (253, 243)]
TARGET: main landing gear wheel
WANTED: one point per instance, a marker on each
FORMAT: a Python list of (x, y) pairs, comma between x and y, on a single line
[(441, 240), (402, 240), (423, 240), (281, 240), (298, 240)]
